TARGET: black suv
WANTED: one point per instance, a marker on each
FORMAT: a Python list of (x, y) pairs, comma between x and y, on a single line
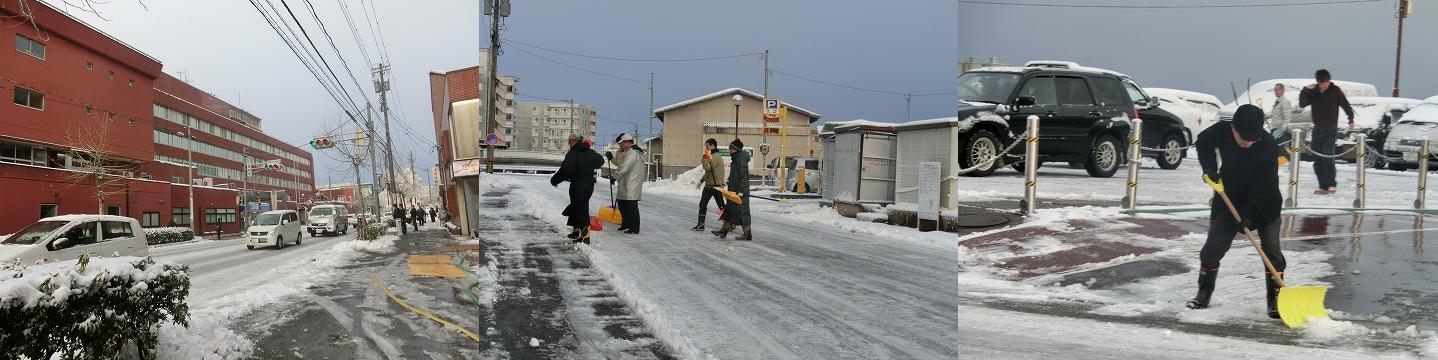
[(1083, 117)]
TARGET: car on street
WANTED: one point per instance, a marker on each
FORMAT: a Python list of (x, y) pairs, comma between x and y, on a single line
[(1401, 148), (66, 237), (328, 219), (1084, 115), (274, 228)]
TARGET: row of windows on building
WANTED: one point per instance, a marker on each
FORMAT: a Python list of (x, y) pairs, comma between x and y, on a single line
[(182, 118), (203, 171), (36, 48), (179, 141)]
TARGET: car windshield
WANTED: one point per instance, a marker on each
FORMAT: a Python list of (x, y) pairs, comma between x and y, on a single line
[(987, 87), (322, 212), (33, 233), (268, 219)]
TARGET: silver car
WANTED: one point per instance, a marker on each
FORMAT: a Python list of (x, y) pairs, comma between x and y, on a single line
[(66, 237)]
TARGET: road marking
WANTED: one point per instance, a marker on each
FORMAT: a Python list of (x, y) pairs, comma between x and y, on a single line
[(406, 305)]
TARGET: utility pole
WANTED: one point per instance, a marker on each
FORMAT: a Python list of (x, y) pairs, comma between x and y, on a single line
[(763, 122), (374, 165), (411, 169), (244, 188), (649, 145), (1405, 7), (573, 119), (908, 104), (495, 9), (381, 86)]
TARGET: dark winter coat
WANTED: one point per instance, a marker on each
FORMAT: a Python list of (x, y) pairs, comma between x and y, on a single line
[(578, 169), (416, 214), (738, 183), (398, 213), (1325, 106), (1250, 176)]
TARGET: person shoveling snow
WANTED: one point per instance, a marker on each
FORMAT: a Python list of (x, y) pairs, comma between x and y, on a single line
[(1248, 177)]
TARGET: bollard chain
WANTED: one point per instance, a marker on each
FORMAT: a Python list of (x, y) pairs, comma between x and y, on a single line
[(1022, 138)]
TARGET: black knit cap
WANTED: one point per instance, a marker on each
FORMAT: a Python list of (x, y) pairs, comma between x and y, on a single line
[(737, 144), (1248, 121)]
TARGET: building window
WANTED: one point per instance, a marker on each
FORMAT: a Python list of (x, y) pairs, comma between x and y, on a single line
[(89, 66), (132, 82), (220, 216), (180, 216), (30, 99), (89, 111), (30, 46), (112, 210), (177, 180), (112, 75), (132, 121), (48, 210), (150, 219), (17, 153)]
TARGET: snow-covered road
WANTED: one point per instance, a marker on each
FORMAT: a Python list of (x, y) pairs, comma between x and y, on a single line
[(812, 285)]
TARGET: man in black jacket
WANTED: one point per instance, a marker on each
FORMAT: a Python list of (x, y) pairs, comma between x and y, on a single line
[(578, 169), (1325, 99), (1249, 176), (398, 214)]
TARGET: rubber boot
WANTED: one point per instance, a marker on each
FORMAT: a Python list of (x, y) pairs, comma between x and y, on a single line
[(1206, 280), (1272, 287), (723, 230), (583, 236), (748, 234), (574, 235), (699, 227)]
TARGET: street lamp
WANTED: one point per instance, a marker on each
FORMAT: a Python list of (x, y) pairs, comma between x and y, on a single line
[(190, 169), (737, 99)]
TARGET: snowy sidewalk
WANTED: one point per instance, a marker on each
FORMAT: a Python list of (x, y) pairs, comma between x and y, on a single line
[(813, 285)]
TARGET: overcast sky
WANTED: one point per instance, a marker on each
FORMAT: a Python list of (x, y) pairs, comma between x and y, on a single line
[(226, 48)]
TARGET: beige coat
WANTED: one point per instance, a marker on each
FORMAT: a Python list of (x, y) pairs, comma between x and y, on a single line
[(713, 170)]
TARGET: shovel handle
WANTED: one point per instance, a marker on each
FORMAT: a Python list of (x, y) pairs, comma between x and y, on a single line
[(1251, 239)]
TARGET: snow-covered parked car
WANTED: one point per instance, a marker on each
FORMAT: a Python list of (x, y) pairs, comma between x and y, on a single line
[(328, 219), (1407, 136), (273, 228), (66, 237), (1199, 110), (1261, 95)]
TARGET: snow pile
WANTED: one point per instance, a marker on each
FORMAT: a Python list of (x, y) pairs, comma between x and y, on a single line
[(166, 235), (385, 243), (687, 183)]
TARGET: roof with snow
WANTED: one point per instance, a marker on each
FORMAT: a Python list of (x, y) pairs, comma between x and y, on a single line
[(1433, 99), (1183, 94), (660, 111)]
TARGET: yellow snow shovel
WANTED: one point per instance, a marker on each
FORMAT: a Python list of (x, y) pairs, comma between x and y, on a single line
[(1295, 303), (730, 196), (610, 214)]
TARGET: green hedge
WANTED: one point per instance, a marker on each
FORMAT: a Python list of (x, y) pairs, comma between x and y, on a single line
[(89, 308), (165, 235)]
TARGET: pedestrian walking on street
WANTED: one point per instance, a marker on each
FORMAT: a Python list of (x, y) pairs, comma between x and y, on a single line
[(713, 177), (1325, 98), (578, 169), (1249, 177), (432, 214), (629, 175), (399, 220), (416, 216), (738, 182)]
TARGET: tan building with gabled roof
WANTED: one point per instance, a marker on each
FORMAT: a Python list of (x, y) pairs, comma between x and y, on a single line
[(688, 123)]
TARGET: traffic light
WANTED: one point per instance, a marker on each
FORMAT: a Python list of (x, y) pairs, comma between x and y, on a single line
[(322, 143), (274, 166)]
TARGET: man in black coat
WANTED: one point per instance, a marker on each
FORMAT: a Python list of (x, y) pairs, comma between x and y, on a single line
[(1324, 99), (416, 216), (1249, 176), (432, 213), (398, 214), (578, 169)]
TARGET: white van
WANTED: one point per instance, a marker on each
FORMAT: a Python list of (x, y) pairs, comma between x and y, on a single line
[(65, 237), (328, 219), (273, 228)]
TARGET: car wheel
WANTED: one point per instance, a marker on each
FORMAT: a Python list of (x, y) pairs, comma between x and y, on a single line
[(251, 247), (981, 145), (279, 242), (298, 238), (1170, 159), (1373, 158), (1103, 159)]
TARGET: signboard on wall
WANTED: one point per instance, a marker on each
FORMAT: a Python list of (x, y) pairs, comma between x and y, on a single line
[(928, 207), (463, 168)]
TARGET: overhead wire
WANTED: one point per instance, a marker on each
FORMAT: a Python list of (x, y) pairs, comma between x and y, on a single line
[(629, 59), (1204, 6)]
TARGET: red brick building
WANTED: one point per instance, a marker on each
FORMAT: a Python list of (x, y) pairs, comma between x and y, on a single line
[(76, 91)]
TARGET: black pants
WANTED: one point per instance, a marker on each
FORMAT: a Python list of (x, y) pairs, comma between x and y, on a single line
[(1323, 143), (709, 193), (1221, 232), (401, 222), (629, 211)]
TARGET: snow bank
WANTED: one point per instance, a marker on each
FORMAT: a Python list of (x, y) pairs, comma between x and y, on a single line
[(688, 183)]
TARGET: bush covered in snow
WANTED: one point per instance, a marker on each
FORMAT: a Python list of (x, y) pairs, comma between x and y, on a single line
[(166, 235), (89, 308)]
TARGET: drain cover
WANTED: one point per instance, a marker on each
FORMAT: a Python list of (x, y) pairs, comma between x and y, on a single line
[(981, 220)]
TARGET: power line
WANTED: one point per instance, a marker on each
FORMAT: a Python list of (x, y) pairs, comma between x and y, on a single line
[(311, 41), (295, 49), (359, 41), (630, 59), (1210, 6), (580, 68), (331, 40), (859, 88)]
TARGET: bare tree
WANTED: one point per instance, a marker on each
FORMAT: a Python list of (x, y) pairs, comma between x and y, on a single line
[(92, 163)]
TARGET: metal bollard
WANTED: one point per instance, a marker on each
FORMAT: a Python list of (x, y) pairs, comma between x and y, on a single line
[(1361, 183), (1135, 140), (1294, 150), (1031, 166), (1422, 201)]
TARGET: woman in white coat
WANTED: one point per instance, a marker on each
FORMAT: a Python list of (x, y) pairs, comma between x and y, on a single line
[(629, 173)]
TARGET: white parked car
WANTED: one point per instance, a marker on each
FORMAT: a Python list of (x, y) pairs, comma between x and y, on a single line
[(274, 228), (1200, 110), (66, 237), (1261, 95), (1407, 136), (328, 219)]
